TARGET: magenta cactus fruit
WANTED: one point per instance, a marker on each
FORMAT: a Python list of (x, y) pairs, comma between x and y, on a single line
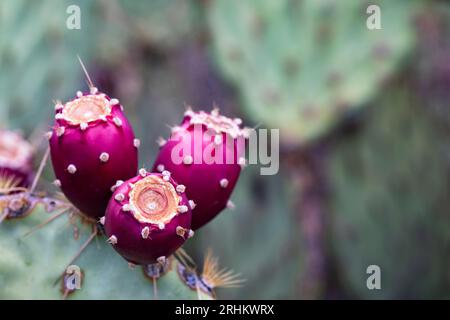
[(205, 155), (16, 158), (92, 146), (148, 218)]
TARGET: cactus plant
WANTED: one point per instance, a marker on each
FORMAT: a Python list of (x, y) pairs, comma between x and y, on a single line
[(210, 147), (300, 65), (148, 218), (31, 267), (92, 147), (390, 200)]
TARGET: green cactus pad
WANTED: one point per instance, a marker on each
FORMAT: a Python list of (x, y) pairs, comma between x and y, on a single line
[(29, 266), (390, 203), (300, 65)]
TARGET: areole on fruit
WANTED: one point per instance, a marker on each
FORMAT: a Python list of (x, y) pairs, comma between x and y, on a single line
[(92, 146), (211, 148), (147, 219)]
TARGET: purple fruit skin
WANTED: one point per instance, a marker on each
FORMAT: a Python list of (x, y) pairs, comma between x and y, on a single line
[(89, 189), (202, 181), (127, 229)]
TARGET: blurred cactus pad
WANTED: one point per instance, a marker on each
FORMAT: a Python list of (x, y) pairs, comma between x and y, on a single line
[(37, 55), (300, 64), (390, 202), (31, 265)]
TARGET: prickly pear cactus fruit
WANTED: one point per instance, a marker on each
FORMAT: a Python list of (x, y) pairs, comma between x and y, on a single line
[(32, 266), (299, 65), (37, 52), (148, 218), (92, 147), (16, 158), (389, 206), (205, 154)]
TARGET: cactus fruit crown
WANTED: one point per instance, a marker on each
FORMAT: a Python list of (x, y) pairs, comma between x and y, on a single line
[(153, 200), (216, 122), (86, 109), (147, 218)]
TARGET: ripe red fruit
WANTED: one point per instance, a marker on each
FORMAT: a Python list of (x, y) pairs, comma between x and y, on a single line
[(16, 158), (92, 146), (205, 141), (148, 218)]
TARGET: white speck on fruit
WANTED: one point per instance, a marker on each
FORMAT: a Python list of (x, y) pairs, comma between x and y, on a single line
[(117, 121), (180, 231), (104, 157), (83, 126), (230, 205), (188, 160), (60, 131), (72, 169), (119, 197), (181, 188), (224, 183), (112, 240), (143, 172), (161, 260), (145, 232)]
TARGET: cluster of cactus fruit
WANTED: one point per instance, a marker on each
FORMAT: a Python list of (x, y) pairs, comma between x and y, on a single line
[(146, 216)]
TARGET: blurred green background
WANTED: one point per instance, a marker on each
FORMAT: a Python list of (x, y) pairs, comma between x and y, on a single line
[(363, 116)]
